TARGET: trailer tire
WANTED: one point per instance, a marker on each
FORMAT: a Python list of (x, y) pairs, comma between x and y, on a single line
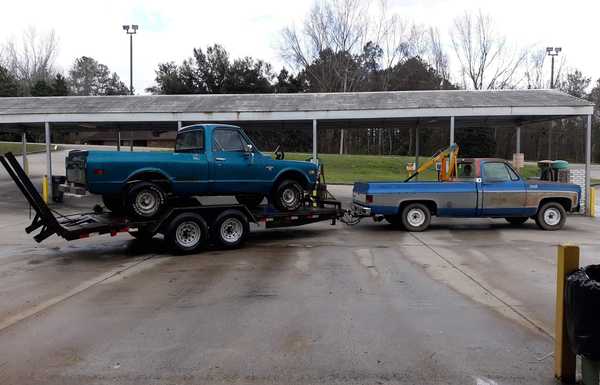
[(187, 233), (416, 217), (145, 200), (230, 229), (516, 221), (551, 216)]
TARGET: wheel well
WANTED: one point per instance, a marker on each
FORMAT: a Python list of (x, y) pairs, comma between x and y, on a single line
[(294, 175), (151, 176), (564, 202), (431, 205)]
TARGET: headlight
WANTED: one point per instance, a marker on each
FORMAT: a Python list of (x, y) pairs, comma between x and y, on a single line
[(311, 172)]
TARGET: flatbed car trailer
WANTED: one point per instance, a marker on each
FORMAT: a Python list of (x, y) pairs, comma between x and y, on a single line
[(186, 225)]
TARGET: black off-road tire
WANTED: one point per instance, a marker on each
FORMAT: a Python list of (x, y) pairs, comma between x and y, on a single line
[(187, 233), (250, 200), (288, 195), (145, 200), (551, 216), (416, 217), (230, 229), (516, 221)]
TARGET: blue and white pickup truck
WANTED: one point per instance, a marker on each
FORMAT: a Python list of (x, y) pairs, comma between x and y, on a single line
[(482, 188), (208, 159)]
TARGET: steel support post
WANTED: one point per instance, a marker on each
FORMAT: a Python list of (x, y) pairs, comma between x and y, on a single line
[(518, 134), (25, 161), (314, 145), (588, 165), (48, 156), (451, 129)]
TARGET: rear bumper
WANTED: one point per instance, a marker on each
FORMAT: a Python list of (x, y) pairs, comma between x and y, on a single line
[(360, 210)]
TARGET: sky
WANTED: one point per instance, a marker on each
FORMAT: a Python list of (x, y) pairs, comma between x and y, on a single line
[(169, 30)]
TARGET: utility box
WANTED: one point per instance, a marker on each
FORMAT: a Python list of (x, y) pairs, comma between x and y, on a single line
[(518, 160)]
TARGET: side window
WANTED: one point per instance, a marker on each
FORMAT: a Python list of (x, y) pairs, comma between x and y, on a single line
[(465, 170), (190, 141), (495, 172), (227, 140), (513, 174)]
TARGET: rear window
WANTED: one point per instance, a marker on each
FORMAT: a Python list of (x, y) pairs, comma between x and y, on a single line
[(190, 141)]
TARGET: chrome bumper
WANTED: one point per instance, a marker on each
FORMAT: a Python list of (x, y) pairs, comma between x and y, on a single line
[(360, 210)]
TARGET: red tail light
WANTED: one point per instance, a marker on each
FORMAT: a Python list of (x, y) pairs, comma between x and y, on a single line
[(99, 171), (369, 198)]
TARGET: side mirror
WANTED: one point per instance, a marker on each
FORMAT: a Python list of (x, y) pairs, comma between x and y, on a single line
[(248, 148)]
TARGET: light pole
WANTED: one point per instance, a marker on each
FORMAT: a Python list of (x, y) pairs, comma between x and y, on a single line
[(130, 30), (552, 52)]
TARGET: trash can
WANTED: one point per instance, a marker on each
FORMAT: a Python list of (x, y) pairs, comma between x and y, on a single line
[(560, 170), (57, 195), (582, 309)]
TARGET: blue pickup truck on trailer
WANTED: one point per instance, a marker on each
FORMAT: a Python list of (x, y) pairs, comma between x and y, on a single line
[(479, 188), (208, 159)]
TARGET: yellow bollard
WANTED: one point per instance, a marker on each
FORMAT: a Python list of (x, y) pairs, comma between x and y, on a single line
[(45, 189), (592, 204), (564, 358)]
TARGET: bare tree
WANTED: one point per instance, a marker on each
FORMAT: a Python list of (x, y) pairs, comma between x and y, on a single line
[(33, 59), (486, 59)]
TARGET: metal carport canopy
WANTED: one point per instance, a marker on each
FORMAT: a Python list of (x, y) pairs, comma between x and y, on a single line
[(302, 106), (506, 107)]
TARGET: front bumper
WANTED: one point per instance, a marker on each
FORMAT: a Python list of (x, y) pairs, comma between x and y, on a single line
[(360, 210)]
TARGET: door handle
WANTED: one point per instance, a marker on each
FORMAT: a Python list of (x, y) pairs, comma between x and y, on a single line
[(219, 159)]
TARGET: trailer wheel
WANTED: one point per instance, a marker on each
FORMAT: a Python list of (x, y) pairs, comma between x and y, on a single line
[(516, 220), (145, 200), (416, 217), (230, 229), (551, 216), (187, 233)]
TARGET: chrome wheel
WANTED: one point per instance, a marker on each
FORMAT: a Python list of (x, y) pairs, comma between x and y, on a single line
[(147, 203), (232, 230), (552, 216), (188, 234), (416, 217), (289, 197)]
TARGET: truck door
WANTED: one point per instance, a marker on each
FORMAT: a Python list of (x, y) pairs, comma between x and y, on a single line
[(504, 193), (190, 165), (233, 168)]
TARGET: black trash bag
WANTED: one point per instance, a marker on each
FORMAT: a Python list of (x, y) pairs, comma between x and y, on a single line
[(582, 307)]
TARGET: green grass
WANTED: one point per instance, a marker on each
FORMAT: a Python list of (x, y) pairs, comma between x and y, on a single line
[(16, 148), (354, 168)]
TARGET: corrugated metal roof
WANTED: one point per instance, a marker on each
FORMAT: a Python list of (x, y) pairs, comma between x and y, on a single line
[(363, 101)]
